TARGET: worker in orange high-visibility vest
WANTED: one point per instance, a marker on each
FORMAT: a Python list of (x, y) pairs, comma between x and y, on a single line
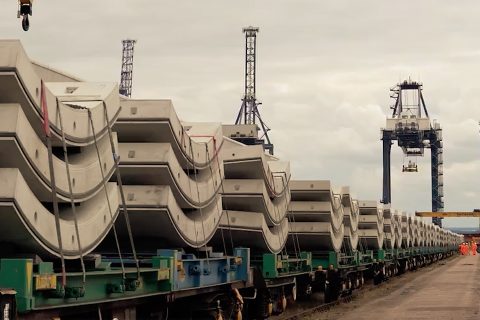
[(474, 248), (463, 249)]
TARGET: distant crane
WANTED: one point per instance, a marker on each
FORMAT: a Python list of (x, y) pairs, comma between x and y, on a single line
[(249, 113), (127, 68), (414, 132)]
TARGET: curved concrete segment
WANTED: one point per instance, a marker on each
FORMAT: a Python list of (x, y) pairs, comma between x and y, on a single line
[(315, 211), (195, 145), (157, 219), (252, 195), (20, 147), (156, 163), (30, 227), (250, 229), (21, 84), (251, 162), (317, 236)]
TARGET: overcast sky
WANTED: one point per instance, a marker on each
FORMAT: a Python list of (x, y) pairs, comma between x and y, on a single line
[(324, 73)]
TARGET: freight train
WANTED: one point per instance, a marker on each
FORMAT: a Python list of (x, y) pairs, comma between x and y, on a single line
[(114, 208)]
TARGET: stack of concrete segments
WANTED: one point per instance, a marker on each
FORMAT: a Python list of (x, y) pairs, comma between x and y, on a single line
[(255, 196), (422, 232), (447, 237), (406, 240), (172, 173), (440, 237), (370, 224), (416, 231), (388, 228), (317, 215), (397, 223), (455, 239), (428, 234), (412, 230), (351, 212), (443, 241), (79, 112), (458, 239), (184, 184), (436, 236)]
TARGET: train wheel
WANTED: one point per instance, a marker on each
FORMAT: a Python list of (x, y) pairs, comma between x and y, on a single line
[(283, 303), (270, 309), (237, 315)]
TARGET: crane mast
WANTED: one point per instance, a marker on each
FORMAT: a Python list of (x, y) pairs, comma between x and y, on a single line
[(249, 113), (127, 68)]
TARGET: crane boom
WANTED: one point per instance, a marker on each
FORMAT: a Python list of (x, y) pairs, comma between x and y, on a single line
[(451, 214)]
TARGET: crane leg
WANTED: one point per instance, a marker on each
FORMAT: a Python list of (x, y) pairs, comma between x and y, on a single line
[(387, 147)]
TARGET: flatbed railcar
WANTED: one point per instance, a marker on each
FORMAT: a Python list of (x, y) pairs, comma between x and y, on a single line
[(172, 283)]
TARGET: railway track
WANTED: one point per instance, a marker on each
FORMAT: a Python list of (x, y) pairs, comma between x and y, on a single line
[(301, 314)]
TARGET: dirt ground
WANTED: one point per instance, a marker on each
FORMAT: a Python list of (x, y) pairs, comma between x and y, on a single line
[(446, 290)]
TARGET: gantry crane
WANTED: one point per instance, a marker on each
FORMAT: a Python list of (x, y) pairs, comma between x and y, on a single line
[(249, 113), (411, 127)]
